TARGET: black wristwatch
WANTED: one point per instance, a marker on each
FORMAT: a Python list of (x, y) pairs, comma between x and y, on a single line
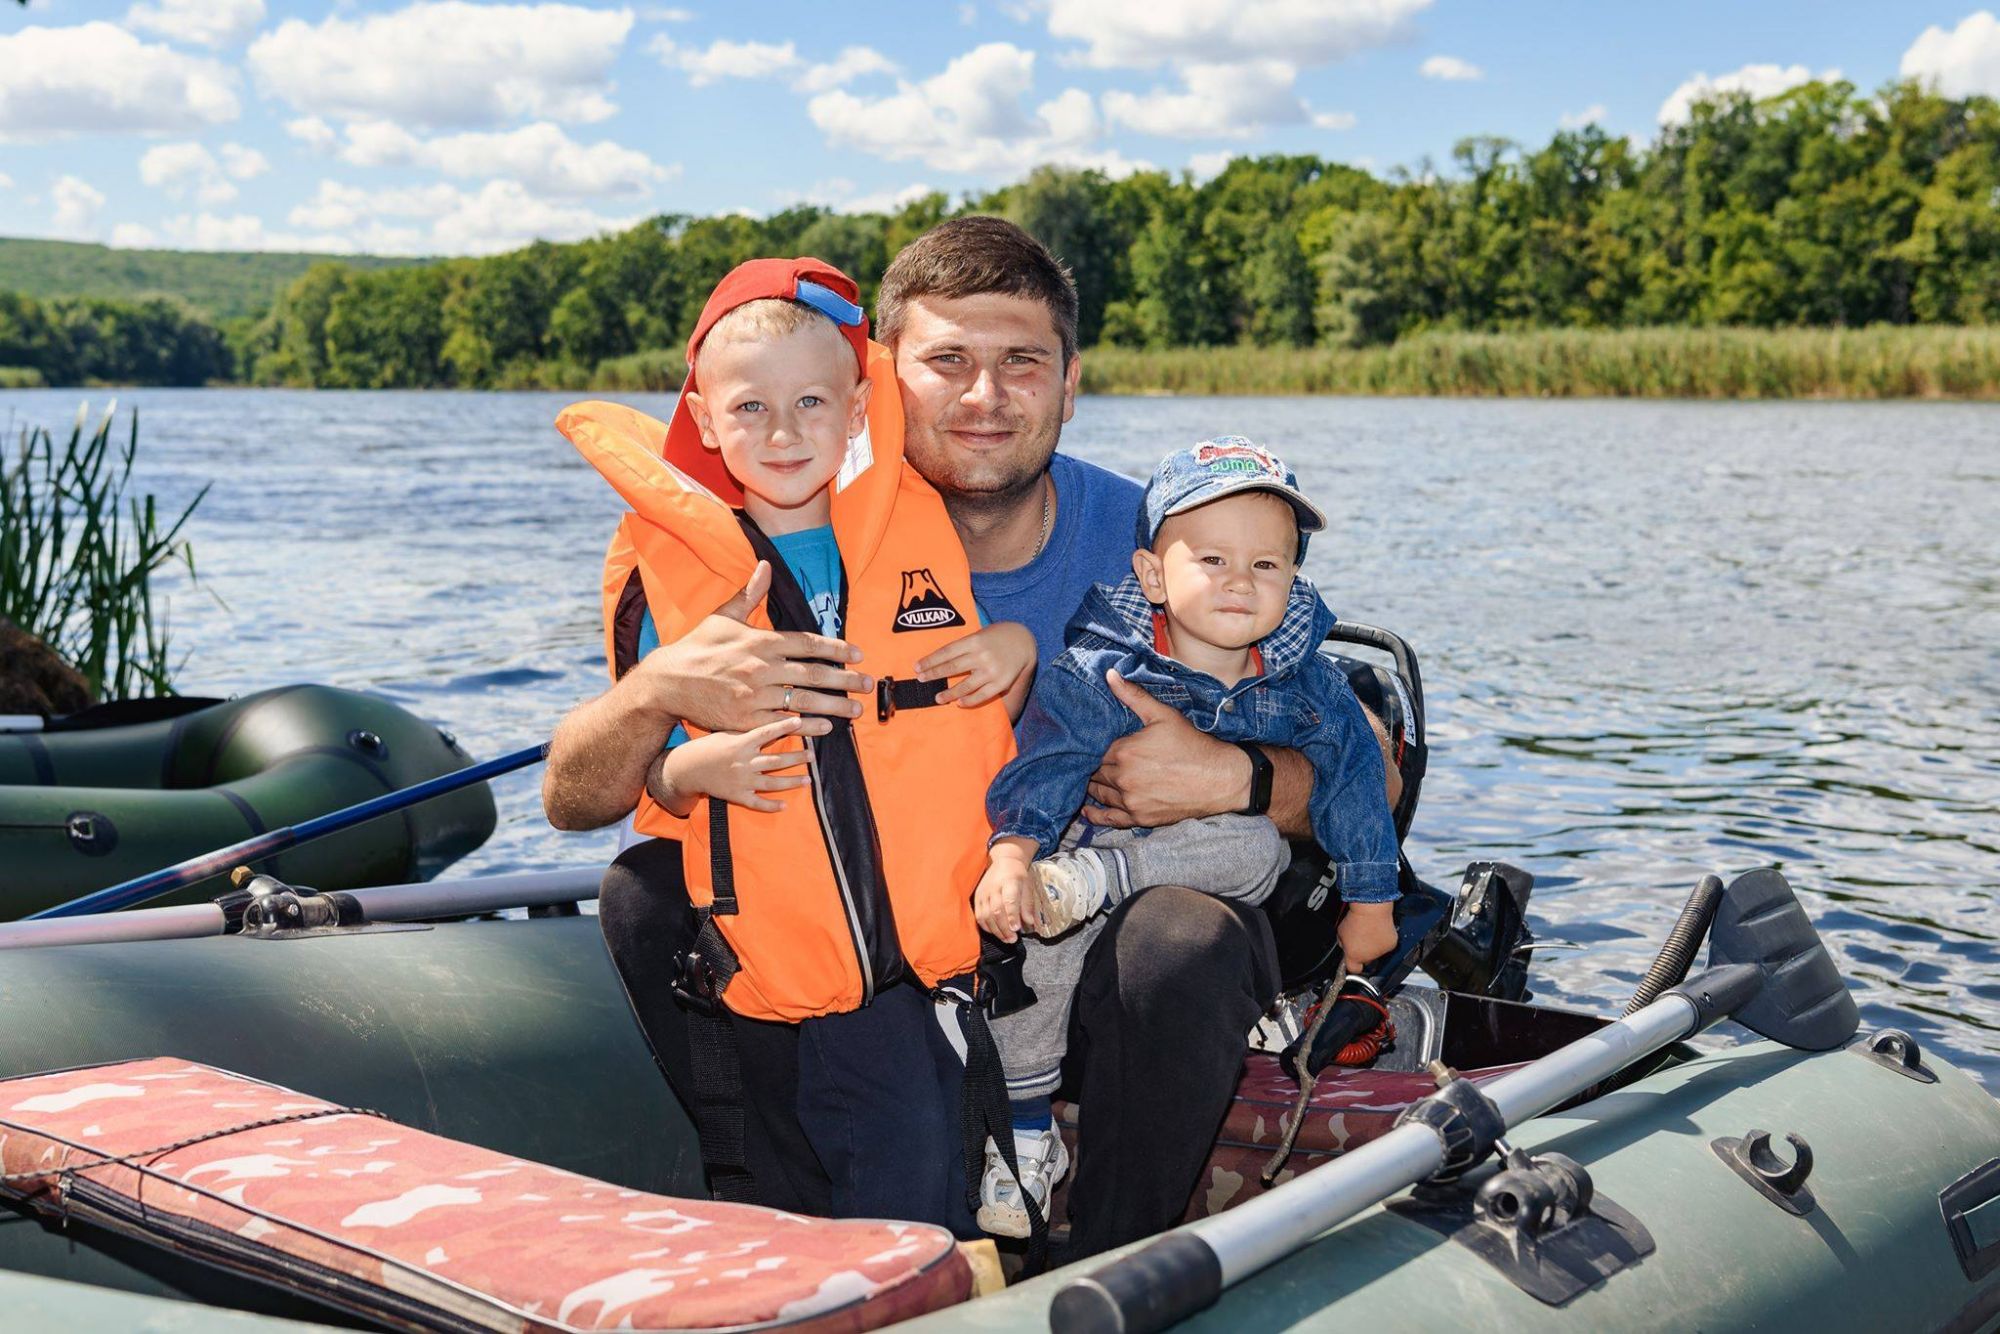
[(1261, 770)]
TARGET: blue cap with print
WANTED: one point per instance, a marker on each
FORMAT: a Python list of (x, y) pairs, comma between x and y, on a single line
[(1192, 477)]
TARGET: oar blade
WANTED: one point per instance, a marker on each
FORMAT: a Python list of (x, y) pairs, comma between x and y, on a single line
[(1803, 1002)]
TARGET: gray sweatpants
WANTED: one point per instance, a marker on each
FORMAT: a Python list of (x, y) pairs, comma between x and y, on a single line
[(1236, 857)]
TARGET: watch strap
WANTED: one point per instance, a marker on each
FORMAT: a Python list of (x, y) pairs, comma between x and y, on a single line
[(1261, 772)]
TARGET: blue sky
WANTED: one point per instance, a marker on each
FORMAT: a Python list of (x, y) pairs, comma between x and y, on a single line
[(444, 126)]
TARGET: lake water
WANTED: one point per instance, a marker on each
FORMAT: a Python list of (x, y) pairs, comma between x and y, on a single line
[(1658, 639)]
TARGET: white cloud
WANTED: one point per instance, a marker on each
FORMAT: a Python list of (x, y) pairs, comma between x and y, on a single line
[(1219, 102), (667, 14), (1576, 120), (76, 207), (500, 215), (725, 59), (1144, 33), (206, 22), (969, 118), (1451, 69), (540, 156), (186, 169), (1205, 167), (311, 131), (133, 236), (448, 63), (1962, 62), (1759, 81), (6, 181), (852, 63), (243, 163), (838, 194), (98, 78)]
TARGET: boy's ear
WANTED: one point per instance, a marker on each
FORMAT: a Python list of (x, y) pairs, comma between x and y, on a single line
[(857, 411), (703, 422), (1152, 576)]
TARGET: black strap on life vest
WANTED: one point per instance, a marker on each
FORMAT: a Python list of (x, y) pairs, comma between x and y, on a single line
[(984, 1112), (841, 793)]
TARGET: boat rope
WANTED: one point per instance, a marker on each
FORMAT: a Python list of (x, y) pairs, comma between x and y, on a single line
[(1307, 1078), (126, 1159)]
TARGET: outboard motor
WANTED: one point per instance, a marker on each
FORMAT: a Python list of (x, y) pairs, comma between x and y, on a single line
[(1478, 942)]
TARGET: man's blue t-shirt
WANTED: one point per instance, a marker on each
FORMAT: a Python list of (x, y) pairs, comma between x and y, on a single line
[(1096, 527)]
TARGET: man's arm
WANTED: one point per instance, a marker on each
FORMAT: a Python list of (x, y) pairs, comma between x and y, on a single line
[(722, 676), (1170, 770)]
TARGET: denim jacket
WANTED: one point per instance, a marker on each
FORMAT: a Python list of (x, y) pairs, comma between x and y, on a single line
[(1301, 702)]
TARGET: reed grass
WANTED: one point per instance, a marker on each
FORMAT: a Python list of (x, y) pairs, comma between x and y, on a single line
[(1881, 362), (78, 550)]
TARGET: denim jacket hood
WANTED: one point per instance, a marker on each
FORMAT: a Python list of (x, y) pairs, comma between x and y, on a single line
[(1300, 702)]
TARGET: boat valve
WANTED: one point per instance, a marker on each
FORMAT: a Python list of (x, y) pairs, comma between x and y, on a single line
[(1782, 1183)]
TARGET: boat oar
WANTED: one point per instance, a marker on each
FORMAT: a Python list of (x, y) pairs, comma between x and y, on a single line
[(184, 873), (1767, 969)]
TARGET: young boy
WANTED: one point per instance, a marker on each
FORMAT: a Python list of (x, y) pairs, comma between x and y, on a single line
[(1214, 621), (831, 877)]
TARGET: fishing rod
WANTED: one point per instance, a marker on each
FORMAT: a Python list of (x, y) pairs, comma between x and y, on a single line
[(1768, 970), (184, 873)]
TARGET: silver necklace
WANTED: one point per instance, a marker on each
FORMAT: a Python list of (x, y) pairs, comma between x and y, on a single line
[(1048, 516)]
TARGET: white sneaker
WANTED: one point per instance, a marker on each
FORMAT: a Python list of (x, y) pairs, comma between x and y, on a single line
[(1043, 1161), (1075, 888)]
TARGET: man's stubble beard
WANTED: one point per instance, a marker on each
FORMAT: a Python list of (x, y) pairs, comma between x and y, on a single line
[(989, 486)]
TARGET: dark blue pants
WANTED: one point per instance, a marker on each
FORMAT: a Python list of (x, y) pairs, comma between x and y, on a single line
[(879, 1103)]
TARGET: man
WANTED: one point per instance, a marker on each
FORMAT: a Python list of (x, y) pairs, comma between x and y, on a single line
[(982, 321)]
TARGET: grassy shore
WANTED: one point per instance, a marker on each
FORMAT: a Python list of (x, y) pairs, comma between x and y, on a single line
[(1880, 362)]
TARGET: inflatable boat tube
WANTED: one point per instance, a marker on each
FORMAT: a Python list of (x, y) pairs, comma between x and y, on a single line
[(515, 1036), (83, 807)]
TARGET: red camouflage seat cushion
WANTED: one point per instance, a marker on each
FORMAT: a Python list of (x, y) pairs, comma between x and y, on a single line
[(382, 1219)]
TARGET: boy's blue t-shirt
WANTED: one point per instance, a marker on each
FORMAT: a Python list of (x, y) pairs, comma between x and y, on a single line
[(813, 557)]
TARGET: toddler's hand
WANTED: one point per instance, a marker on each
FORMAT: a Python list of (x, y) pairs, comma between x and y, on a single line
[(1007, 900), (993, 660), (734, 767), (1367, 932)]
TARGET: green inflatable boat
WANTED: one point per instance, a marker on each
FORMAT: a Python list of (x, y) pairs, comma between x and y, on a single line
[(1585, 1173), (125, 789)]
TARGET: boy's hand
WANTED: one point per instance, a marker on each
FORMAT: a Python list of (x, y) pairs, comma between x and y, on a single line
[(1008, 899), (734, 767), (1367, 932), (995, 661)]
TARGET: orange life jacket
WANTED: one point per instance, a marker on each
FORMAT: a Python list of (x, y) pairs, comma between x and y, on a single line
[(808, 940)]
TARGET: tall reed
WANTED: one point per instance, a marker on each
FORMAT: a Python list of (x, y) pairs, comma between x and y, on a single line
[(78, 551), (1877, 362)]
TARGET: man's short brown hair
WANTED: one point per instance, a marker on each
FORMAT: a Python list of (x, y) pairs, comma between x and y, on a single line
[(975, 256)]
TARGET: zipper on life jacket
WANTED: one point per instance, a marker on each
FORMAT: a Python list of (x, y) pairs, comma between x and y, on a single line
[(841, 879), (849, 834)]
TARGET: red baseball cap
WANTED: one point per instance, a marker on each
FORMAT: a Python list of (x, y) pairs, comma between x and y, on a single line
[(813, 282)]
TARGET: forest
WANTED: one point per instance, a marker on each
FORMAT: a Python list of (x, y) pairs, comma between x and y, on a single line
[(1822, 209)]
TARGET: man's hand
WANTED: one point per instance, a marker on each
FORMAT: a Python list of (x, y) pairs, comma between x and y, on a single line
[(1367, 932), (997, 660), (1169, 770), (724, 676), (721, 676), (733, 767), (1008, 899)]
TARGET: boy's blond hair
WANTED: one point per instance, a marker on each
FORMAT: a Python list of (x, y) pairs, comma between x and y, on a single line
[(760, 320)]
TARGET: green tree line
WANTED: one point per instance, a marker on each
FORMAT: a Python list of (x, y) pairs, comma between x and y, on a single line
[(1822, 207), (83, 340)]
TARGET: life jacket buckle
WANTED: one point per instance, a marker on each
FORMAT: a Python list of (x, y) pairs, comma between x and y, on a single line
[(695, 984), (885, 699)]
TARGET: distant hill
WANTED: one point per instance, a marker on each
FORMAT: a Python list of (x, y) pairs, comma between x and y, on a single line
[(225, 284)]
